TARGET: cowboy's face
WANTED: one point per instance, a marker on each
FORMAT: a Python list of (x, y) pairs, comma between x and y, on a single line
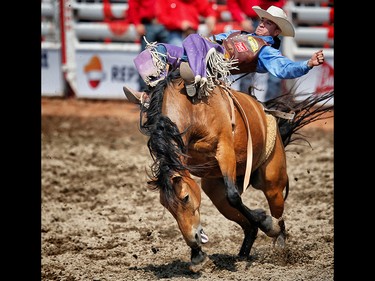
[(267, 27)]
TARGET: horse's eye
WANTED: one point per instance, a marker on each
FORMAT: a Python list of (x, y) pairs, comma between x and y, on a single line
[(185, 199)]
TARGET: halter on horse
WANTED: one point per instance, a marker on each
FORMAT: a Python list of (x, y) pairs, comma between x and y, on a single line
[(210, 139)]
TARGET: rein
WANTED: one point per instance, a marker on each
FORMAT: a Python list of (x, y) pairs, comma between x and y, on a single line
[(238, 78), (249, 161)]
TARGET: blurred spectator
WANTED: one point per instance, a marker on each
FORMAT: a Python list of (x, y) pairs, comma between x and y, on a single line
[(182, 17), (142, 14), (242, 12)]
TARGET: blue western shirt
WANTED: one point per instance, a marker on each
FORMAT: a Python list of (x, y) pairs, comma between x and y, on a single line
[(271, 60)]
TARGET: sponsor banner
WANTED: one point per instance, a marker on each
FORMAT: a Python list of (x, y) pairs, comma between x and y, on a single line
[(319, 80), (52, 77), (102, 74)]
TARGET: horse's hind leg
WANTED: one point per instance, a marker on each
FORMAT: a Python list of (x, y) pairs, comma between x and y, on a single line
[(216, 191), (272, 178)]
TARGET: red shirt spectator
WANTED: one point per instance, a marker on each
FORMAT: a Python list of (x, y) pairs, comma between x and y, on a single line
[(242, 12), (140, 11), (183, 14)]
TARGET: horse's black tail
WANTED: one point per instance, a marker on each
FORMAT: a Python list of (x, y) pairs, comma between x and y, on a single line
[(308, 107)]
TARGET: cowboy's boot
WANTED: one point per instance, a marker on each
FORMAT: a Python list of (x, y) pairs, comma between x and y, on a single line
[(135, 96), (187, 74)]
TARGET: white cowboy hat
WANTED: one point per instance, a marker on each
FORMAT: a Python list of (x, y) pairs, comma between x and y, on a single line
[(279, 17)]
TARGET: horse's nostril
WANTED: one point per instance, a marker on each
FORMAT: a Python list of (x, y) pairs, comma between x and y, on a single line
[(204, 237)]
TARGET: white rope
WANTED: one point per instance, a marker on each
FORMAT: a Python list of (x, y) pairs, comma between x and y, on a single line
[(159, 63), (218, 68)]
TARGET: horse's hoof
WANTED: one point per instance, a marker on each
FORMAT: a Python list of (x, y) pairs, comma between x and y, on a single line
[(273, 227), (197, 256), (279, 241), (197, 267)]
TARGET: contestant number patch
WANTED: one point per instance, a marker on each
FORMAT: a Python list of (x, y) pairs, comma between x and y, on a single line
[(240, 47)]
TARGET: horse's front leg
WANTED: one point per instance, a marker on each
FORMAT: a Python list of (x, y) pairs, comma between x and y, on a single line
[(198, 259), (227, 161), (215, 189)]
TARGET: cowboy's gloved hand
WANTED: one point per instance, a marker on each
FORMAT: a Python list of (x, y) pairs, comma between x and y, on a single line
[(316, 59)]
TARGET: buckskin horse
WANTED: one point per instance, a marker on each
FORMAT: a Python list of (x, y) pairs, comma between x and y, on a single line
[(230, 142)]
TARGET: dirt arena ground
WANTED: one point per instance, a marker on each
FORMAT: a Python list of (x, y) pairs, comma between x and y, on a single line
[(101, 223)]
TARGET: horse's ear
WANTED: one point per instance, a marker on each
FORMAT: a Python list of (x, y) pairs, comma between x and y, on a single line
[(176, 178)]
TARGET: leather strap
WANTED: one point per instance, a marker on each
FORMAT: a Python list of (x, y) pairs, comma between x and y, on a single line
[(280, 114), (230, 99), (249, 161)]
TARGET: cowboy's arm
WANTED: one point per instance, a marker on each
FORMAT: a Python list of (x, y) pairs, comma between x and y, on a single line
[(276, 64), (316, 59)]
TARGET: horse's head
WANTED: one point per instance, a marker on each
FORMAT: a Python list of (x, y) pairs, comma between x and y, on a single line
[(179, 193), (185, 208)]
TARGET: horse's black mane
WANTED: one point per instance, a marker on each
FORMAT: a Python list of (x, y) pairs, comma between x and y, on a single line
[(165, 141)]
